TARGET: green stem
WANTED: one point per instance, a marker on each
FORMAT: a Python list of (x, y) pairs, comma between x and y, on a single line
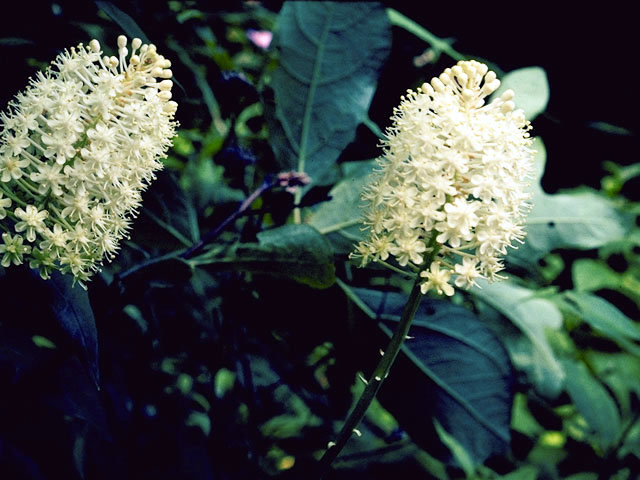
[(28, 188), (395, 269), (375, 381), (9, 194), (147, 263), (210, 236), (439, 45), (373, 126)]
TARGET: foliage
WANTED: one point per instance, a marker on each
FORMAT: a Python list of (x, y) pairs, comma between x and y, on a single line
[(242, 359)]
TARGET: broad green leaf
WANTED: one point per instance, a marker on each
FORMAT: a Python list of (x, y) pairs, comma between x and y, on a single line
[(330, 57), (72, 310), (605, 318), (341, 217), (453, 369), (593, 402), (532, 316), (580, 220), (531, 87), (540, 365), (297, 252)]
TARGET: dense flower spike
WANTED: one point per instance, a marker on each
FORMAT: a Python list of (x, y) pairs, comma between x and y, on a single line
[(451, 183), (77, 148)]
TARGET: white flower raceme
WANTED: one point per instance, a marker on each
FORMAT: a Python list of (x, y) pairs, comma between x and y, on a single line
[(77, 148), (451, 184)]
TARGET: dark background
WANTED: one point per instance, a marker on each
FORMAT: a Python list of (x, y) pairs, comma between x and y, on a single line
[(587, 53)]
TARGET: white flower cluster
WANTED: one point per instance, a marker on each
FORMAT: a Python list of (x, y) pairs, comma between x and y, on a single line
[(449, 197), (77, 148)]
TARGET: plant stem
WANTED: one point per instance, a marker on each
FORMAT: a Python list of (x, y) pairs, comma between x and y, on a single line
[(211, 235), (145, 264), (375, 381), (438, 44)]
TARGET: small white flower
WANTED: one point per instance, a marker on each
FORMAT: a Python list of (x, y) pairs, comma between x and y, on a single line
[(12, 167), (437, 280), (32, 221), (17, 142), (467, 272)]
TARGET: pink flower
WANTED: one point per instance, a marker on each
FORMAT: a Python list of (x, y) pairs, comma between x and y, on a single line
[(260, 38)]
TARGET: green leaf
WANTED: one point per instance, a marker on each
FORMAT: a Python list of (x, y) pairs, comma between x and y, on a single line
[(167, 205), (72, 310), (533, 316), (123, 20), (199, 420), (15, 42), (223, 382), (523, 421), (72, 393), (590, 275), (531, 87), (528, 472), (204, 181), (605, 318), (457, 450), (297, 252), (43, 342), (341, 217), (437, 44), (593, 402), (580, 220), (330, 57), (620, 373), (456, 370)]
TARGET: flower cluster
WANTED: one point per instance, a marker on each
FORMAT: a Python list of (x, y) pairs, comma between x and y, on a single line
[(77, 148), (449, 196)]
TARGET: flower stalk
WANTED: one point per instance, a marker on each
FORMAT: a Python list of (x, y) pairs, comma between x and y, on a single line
[(290, 181), (448, 199), (378, 376)]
